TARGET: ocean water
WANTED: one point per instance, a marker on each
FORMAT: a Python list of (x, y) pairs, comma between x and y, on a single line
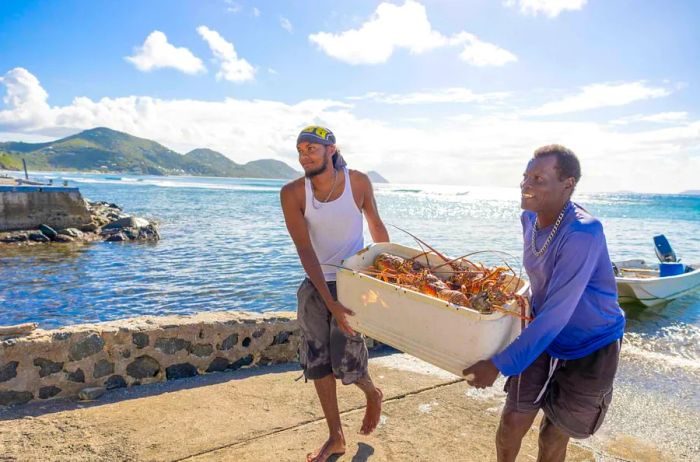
[(225, 247)]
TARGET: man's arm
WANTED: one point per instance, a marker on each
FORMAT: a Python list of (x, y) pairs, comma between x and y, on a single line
[(369, 208), (572, 271), (299, 232)]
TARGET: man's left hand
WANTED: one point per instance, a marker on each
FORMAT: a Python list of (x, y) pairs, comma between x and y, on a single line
[(481, 374)]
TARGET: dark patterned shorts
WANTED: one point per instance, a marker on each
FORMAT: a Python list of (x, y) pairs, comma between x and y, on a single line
[(325, 349), (574, 394)]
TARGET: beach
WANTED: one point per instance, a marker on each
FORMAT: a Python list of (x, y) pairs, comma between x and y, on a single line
[(265, 414)]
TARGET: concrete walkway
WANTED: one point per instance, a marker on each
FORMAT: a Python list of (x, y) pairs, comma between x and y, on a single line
[(265, 415)]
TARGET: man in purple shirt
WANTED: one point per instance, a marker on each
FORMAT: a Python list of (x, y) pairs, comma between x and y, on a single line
[(565, 361)]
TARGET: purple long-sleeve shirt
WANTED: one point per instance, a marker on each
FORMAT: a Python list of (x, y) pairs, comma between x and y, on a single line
[(574, 296)]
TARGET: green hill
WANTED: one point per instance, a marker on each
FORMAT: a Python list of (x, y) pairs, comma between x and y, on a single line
[(376, 177), (103, 149)]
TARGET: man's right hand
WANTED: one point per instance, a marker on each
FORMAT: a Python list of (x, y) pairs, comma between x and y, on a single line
[(340, 313)]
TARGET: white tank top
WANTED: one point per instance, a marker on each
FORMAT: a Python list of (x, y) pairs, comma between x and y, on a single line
[(335, 227)]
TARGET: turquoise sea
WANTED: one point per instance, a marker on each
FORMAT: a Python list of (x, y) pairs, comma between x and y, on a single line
[(224, 247)]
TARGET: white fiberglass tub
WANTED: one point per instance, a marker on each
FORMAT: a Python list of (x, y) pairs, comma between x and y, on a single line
[(448, 336)]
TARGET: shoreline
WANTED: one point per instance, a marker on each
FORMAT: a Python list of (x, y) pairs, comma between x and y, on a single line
[(436, 409)]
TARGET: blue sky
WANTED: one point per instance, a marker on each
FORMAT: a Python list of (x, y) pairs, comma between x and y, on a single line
[(446, 91)]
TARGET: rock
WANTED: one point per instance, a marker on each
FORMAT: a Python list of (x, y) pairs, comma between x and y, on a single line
[(47, 367), (245, 361), (48, 231), (61, 336), (90, 228), (171, 345), (63, 238), (282, 338), (90, 393), (229, 342), (77, 376), (102, 368), (14, 237), (88, 347), (115, 381), (12, 397), (201, 349), (139, 339), (128, 222), (8, 371), (143, 367), (48, 392), (180, 371), (117, 237), (259, 333), (219, 364), (72, 232), (19, 329), (38, 236)]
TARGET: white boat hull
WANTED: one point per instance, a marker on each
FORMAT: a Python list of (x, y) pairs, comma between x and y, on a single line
[(655, 291), (443, 334)]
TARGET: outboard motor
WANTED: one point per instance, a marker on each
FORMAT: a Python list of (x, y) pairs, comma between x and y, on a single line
[(664, 250), (670, 264)]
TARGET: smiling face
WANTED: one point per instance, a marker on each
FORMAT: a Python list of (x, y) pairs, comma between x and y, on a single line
[(314, 157), (542, 190)]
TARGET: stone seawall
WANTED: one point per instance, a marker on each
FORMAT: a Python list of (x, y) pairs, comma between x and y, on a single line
[(27, 207), (63, 362)]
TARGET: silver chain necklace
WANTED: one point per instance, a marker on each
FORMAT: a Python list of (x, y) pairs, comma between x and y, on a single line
[(533, 245), (313, 196)]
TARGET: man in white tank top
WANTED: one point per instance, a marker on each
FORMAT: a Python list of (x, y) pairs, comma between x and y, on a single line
[(323, 212)]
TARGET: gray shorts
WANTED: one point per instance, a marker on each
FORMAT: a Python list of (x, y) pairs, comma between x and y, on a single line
[(574, 394), (324, 348)]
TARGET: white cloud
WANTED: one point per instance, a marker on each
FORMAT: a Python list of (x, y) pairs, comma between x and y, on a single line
[(551, 8), (233, 68), (393, 27), (286, 24), (157, 53), (256, 12), (602, 95), (661, 117), (471, 149), (482, 54), (441, 95), (232, 7)]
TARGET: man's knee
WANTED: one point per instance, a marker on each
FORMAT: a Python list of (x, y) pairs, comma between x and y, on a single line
[(513, 426), (550, 434)]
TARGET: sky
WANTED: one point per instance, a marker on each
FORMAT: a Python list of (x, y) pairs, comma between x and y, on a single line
[(433, 91)]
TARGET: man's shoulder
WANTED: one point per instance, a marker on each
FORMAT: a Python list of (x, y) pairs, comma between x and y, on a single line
[(585, 222), (294, 188), (359, 178), (294, 184)]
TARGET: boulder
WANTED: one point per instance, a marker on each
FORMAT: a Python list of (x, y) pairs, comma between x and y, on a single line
[(72, 232), (90, 393), (128, 222), (38, 236), (48, 231)]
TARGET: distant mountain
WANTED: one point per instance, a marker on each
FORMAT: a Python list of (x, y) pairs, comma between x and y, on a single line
[(376, 177), (103, 149), (690, 192)]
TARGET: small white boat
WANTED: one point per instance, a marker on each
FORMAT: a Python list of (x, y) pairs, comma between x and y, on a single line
[(639, 282), (448, 336)]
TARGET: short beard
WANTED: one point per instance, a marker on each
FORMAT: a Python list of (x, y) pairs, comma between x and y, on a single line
[(319, 170)]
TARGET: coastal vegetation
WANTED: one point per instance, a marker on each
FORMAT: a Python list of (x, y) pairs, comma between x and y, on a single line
[(110, 151)]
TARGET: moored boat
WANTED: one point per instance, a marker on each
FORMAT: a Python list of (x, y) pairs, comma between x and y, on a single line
[(640, 282)]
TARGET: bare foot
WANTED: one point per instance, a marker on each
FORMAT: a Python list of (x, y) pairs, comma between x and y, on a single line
[(372, 413), (329, 448)]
